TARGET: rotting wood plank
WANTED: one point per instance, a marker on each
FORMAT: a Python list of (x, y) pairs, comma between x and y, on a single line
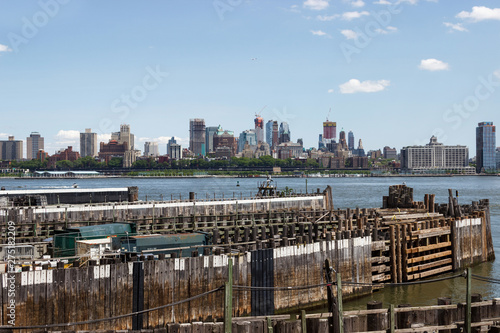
[(429, 247), (429, 265), (431, 272), (430, 257)]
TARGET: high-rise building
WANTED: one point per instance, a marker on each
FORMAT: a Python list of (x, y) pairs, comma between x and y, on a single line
[(11, 149), (329, 130), (259, 128), (225, 144), (124, 136), (170, 142), (350, 141), (390, 153), (435, 156), (485, 147), (175, 151), (275, 141), (498, 158), (197, 136), (151, 149), (33, 144), (342, 141), (209, 138), (88, 143), (284, 133), (269, 133), (321, 143), (247, 137)]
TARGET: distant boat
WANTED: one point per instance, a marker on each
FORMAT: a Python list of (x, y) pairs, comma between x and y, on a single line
[(75, 185)]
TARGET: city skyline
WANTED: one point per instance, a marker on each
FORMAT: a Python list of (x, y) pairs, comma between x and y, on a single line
[(426, 68)]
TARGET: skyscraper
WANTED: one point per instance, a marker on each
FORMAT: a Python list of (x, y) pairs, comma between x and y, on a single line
[(88, 143), (247, 137), (151, 149), (329, 130), (342, 140), (350, 140), (485, 147), (275, 141), (124, 136), (284, 133), (197, 136), (209, 138), (33, 144), (259, 128), (269, 133), (11, 149)]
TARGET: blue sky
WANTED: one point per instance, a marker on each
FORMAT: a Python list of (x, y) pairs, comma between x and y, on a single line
[(395, 73)]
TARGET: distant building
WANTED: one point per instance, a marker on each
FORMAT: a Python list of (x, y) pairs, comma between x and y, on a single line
[(175, 151), (263, 149), (435, 157), (275, 141), (358, 162), (129, 157), (42, 155), (498, 158), (329, 130), (350, 141), (225, 139), (342, 140), (112, 149), (170, 141), (360, 150), (485, 147), (124, 136), (269, 132), (289, 150), (321, 143), (63, 155), (88, 143), (390, 153), (197, 136), (259, 128), (209, 138), (151, 149), (11, 150), (248, 137), (33, 144), (284, 133), (374, 154)]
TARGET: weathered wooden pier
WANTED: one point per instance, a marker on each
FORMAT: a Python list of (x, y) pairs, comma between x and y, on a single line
[(278, 246)]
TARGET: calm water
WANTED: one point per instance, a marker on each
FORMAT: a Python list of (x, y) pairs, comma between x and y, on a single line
[(347, 192)]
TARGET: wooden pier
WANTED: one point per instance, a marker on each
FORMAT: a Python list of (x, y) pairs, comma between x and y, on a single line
[(277, 244)]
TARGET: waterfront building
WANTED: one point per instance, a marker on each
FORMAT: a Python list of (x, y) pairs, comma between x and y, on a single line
[(350, 141), (209, 138), (329, 130), (112, 149), (151, 149), (63, 155), (259, 128), (289, 150), (390, 153), (197, 136), (33, 144), (435, 158), (498, 158), (248, 137), (485, 147), (124, 136), (269, 132), (42, 155), (88, 143), (11, 149), (284, 133)]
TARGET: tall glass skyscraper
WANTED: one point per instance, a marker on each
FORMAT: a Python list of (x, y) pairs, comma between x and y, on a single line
[(485, 147)]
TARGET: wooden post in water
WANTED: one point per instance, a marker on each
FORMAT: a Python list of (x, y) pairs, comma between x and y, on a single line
[(340, 308), (393, 255), (228, 298), (444, 315), (468, 302), (374, 322), (332, 305)]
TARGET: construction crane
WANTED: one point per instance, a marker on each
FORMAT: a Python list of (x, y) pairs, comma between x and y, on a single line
[(259, 114), (328, 115)]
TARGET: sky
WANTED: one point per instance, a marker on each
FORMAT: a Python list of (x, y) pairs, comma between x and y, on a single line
[(393, 72)]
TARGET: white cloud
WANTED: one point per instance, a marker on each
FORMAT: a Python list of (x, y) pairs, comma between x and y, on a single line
[(433, 65), (4, 48), (357, 3), (455, 26), (319, 33), (4, 136), (382, 2), (163, 140), (353, 86), (330, 91), (349, 34), (389, 29), (480, 13), (327, 17), (497, 73), (294, 9), (348, 16), (316, 4), (103, 137)]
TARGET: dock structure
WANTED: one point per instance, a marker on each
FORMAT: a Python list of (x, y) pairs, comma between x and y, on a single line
[(278, 248)]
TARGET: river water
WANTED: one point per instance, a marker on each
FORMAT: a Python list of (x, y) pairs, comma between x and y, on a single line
[(362, 192)]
